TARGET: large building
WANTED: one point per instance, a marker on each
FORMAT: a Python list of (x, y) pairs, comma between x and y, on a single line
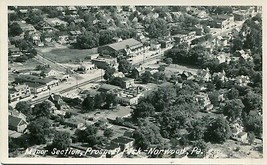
[(128, 47), (104, 62), (48, 81), (18, 92)]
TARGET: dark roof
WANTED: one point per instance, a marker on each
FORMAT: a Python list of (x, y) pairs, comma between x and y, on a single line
[(13, 121), (122, 140), (122, 45), (112, 146), (107, 87)]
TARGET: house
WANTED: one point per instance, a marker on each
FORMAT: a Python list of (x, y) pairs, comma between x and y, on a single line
[(166, 42), (49, 72), (242, 80), (128, 47), (220, 76), (58, 101), (130, 96), (48, 81), (14, 51), (127, 82), (221, 41), (78, 21), (36, 39), (113, 150), (202, 14), (92, 56), (60, 8), (86, 67), (184, 36), (16, 113), (204, 75), (124, 142), (75, 123), (222, 21), (18, 92), (244, 54), (104, 61), (116, 39), (186, 75), (224, 57), (55, 22), (203, 100), (26, 27), (155, 45), (108, 88), (199, 30), (36, 87), (17, 124)]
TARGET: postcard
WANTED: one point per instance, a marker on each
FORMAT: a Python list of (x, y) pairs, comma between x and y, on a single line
[(132, 82)]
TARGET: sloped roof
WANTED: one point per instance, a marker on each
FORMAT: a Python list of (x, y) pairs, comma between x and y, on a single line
[(13, 121), (122, 45)]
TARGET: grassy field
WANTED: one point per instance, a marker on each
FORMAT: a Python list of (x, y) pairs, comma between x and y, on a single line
[(68, 55)]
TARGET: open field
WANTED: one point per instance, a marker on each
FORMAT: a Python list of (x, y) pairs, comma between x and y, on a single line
[(68, 55)]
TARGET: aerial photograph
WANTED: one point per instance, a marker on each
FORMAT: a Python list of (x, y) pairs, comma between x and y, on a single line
[(135, 82)]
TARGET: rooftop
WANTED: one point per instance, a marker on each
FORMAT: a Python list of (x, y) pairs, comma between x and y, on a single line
[(124, 43)]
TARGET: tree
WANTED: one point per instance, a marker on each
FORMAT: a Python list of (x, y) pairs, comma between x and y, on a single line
[(252, 101), (213, 96), (111, 100), (99, 100), (198, 130), (233, 109), (253, 123), (61, 140), (88, 135), (14, 29), (125, 66), (157, 28), (39, 130), (218, 131), (233, 93), (24, 107), (108, 133), (168, 61), (199, 149), (142, 110), (147, 134), (88, 104), (134, 73), (109, 71), (251, 137), (146, 77), (237, 44), (87, 40), (42, 109)]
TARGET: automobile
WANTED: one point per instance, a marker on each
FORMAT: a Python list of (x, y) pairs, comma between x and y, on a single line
[(34, 96)]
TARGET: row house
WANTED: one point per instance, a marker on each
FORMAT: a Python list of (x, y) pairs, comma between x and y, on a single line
[(184, 36), (48, 81)]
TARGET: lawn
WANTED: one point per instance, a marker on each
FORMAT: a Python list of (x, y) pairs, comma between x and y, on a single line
[(69, 55)]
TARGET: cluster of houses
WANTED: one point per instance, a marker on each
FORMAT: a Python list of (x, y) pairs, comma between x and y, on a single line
[(34, 82)]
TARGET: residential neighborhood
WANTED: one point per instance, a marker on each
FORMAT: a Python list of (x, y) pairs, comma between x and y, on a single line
[(128, 81)]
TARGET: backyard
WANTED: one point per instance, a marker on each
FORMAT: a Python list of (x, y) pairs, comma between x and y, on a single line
[(65, 55)]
